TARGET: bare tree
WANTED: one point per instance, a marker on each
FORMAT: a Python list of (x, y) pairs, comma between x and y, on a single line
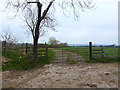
[(8, 37), (31, 20), (38, 12)]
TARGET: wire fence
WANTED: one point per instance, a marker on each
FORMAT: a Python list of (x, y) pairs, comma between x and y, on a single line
[(85, 51), (25, 49), (110, 52)]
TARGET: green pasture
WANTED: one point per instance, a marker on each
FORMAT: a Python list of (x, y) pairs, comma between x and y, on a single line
[(110, 53)]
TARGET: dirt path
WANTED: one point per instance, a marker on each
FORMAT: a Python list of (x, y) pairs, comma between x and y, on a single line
[(13, 79), (53, 76), (62, 56), (64, 75)]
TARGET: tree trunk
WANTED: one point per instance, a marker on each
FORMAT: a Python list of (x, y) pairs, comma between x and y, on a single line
[(35, 47), (36, 37), (37, 31)]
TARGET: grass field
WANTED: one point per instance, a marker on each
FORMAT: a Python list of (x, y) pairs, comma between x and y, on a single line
[(83, 51), (111, 53)]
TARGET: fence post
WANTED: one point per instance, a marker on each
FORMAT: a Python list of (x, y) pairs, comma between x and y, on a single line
[(4, 44), (26, 48), (62, 54), (77, 54), (90, 50), (46, 52), (102, 52)]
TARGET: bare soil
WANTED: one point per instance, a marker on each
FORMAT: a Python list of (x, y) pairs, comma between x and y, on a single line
[(62, 76)]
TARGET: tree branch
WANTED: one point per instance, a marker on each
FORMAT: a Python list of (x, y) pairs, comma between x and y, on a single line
[(46, 10)]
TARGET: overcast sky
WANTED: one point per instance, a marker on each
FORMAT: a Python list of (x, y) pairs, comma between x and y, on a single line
[(98, 25)]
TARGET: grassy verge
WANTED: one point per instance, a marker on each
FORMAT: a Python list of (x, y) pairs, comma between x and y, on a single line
[(19, 62)]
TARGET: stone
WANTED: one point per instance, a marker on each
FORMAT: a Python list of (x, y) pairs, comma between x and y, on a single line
[(74, 79), (57, 72), (47, 71), (79, 66), (70, 67), (43, 83), (57, 80), (61, 73), (91, 85), (48, 65), (59, 68), (106, 73)]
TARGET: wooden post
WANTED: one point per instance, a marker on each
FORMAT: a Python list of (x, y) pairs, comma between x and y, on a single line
[(46, 52), (90, 50), (77, 54), (4, 44), (102, 52), (62, 55), (26, 48)]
